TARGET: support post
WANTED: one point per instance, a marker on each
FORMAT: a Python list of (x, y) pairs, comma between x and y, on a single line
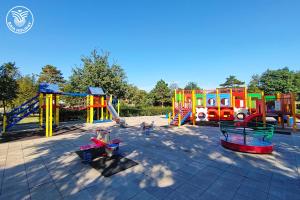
[(87, 109), (183, 100), (218, 103), (179, 119), (293, 102), (57, 110), (91, 109), (250, 104), (169, 118), (193, 107), (47, 115), (110, 100), (231, 104), (173, 107), (246, 99), (204, 98), (102, 105), (263, 108), (41, 102), (50, 115)]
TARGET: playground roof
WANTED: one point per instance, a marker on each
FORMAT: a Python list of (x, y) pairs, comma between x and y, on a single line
[(49, 88), (96, 91)]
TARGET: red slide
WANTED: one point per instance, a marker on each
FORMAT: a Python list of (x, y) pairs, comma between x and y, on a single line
[(248, 119)]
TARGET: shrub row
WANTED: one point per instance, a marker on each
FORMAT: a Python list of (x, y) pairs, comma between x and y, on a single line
[(125, 111)]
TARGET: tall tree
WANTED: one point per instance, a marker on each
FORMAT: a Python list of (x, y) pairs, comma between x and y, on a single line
[(232, 82), (161, 93), (280, 80), (97, 72), (8, 83), (27, 88), (50, 74), (192, 86), (254, 84)]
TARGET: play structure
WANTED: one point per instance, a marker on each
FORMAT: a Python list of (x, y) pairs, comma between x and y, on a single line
[(102, 145), (99, 107), (232, 104)]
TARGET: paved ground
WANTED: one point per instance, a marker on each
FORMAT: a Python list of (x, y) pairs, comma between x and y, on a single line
[(175, 163)]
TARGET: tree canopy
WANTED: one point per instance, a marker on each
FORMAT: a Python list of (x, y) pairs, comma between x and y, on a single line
[(27, 88), (232, 82), (192, 86), (50, 74), (8, 83), (97, 72), (161, 93), (280, 80)]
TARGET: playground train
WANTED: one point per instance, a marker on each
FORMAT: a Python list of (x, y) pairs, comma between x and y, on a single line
[(229, 104)]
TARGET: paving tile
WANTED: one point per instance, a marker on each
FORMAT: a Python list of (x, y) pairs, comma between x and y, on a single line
[(144, 196), (45, 192), (20, 195)]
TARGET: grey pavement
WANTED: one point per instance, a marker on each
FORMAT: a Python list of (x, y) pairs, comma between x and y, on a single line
[(174, 163)]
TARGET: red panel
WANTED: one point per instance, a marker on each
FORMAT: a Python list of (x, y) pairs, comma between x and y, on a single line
[(246, 148)]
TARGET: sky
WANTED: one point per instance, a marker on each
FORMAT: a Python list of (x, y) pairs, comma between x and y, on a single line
[(177, 41)]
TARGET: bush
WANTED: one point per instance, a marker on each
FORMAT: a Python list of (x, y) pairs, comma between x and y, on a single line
[(128, 111), (67, 115)]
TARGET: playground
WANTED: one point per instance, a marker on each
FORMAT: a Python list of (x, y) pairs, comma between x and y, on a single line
[(184, 162)]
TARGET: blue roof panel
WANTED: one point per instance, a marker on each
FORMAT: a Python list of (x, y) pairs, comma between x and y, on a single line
[(49, 88), (95, 91)]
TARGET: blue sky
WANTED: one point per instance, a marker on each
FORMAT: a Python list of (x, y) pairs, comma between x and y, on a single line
[(178, 41)]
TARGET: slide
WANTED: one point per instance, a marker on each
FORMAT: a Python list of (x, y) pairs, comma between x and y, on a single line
[(248, 119), (114, 113)]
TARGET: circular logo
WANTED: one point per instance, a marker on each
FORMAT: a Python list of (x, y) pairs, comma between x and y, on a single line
[(19, 19)]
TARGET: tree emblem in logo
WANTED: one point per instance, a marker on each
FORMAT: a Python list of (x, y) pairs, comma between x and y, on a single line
[(19, 19)]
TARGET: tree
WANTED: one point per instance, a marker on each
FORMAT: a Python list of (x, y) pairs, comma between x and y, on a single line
[(281, 80), (161, 93), (192, 86), (232, 82), (50, 74), (135, 96), (254, 84), (97, 72), (8, 83), (27, 88)]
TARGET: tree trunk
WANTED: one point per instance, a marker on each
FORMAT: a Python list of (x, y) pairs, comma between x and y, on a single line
[(4, 107)]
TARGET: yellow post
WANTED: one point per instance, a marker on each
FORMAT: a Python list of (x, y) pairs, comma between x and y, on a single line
[(179, 119), (250, 104), (231, 104), (106, 111), (263, 107), (218, 103), (246, 100), (91, 109), (102, 104), (87, 109), (41, 101), (183, 100), (169, 118), (4, 123), (57, 110), (50, 114), (110, 100), (204, 98), (173, 107), (118, 107), (47, 115), (193, 107), (233, 101)]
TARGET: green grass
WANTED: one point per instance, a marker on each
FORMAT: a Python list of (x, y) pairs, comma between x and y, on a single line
[(30, 119)]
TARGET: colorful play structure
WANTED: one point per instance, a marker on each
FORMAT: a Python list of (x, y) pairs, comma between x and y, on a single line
[(231, 104), (99, 107), (247, 120)]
